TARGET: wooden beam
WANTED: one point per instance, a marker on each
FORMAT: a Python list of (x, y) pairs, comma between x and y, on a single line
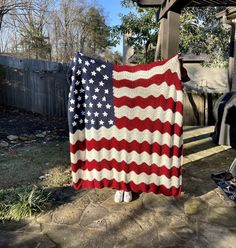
[(205, 3), (150, 3), (230, 13), (178, 5), (173, 5)]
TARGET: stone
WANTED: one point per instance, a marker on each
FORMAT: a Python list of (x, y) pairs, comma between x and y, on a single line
[(40, 135), (134, 206), (25, 137), (32, 226), (12, 137), (142, 239), (99, 225), (167, 238), (184, 232), (124, 224), (152, 201), (194, 206), (222, 216), (45, 176), (13, 141), (75, 236), (217, 236), (92, 213), (24, 239), (30, 141), (44, 218), (67, 214), (112, 206), (4, 144), (100, 195), (65, 236), (212, 199), (178, 221), (83, 201)]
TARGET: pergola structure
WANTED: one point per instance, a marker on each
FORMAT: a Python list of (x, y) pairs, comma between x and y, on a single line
[(229, 18), (169, 17)]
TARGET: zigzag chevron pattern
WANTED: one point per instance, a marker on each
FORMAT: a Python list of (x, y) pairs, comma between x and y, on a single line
[(129, 135), (126, 126), (122, 155)]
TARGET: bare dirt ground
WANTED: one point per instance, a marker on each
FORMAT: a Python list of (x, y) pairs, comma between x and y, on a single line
[(33, 149), (14, 121)]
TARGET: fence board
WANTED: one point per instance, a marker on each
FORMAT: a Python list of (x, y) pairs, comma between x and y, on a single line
[(35, 85)]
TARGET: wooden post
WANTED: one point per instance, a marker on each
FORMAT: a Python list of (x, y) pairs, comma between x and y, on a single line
[(170, 34), (231, 58), (158, 45), (163, 33)]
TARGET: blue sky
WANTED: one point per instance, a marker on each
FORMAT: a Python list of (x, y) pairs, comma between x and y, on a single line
[(112, 9)]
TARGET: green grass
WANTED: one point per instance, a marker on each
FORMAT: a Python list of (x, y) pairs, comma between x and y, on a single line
[(19, 203), (22, 192), (24, 165)]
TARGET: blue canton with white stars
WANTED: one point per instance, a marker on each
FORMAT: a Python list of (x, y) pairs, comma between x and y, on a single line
[(90, 103)]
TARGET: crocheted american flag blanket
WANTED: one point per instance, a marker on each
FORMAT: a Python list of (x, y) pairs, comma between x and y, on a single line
[(125, 125)]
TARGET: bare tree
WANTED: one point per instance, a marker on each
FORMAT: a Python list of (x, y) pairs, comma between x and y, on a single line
[(39, 29), (55, 35), (79, 26), (4, 39), (30, 23), (6, 6), (66, 28)]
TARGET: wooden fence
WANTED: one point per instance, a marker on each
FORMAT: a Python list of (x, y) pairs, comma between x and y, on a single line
[(198, 108), (41, 87), (35, 85)]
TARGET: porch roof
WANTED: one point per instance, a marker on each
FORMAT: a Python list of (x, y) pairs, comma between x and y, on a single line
[(183, 3), (229, 12), (178, 5)]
